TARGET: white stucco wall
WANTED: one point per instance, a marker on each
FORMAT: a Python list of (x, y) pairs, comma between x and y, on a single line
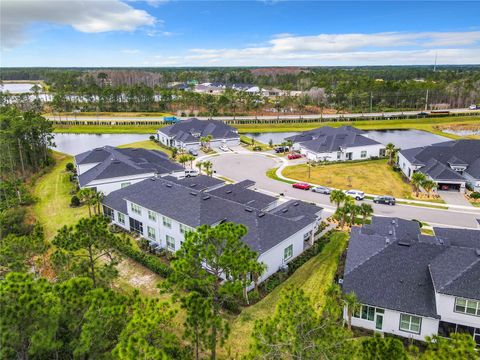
[(85, 167), (474, 183), (106, 186), (446, 309), (391, 325), (372, 150), (273, 258)]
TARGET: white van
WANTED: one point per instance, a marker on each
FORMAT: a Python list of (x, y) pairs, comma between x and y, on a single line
[(191, 173)]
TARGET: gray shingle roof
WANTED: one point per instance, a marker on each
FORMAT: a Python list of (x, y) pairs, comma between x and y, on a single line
[(194, 208), (240, 194), (328, 139), (191, 130), (460, 152), (391, 265), (116, 162)]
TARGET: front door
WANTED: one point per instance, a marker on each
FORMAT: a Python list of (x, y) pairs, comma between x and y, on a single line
[(379, 321), (348, 156)]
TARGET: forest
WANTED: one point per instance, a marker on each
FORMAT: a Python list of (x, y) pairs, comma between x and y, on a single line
[(325, 89)]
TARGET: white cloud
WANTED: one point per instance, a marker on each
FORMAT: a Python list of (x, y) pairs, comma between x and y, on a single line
[(88, 16), (350, 49)]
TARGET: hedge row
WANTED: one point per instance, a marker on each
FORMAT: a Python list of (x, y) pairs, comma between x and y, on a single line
[(149, 261)]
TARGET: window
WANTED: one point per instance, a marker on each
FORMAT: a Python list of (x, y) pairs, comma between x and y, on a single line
[(167, 222), (136, 226), (184, 228), (470, 307), (363, 154), (125, 184), (339, 155), (288, 252), (152, 216), (151, 233), (121, 218), (410, 323), (136, 209), (170, 243), (368, 313), (108, 212)]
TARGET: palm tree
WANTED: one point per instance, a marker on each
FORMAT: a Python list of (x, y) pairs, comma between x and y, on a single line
[(337, 197), (183, 159), (351, 301), (86, 195), (354, 210), (199, 166), (97, 199), (209, 139), (366, 210), (429, 185), (417, 180), (207, 165), (390, 150)]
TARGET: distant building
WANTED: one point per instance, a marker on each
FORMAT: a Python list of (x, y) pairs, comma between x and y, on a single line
[(108, 168), (414, 285), (451, 164), (336, 144), (162, 210), (186, 134)]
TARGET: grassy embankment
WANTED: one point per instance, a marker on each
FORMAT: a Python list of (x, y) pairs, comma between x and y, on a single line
[(433, 125), (372, 177), (313, 277)]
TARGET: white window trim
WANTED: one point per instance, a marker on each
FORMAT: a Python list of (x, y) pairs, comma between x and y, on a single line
[(172, 239), (410, 324), (285, 249), (477, 309), (167, 222), (152, 216), (154, 233)]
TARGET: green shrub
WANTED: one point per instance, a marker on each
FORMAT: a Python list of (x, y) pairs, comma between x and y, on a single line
[(75, 201), (69, 166), (475, 195)]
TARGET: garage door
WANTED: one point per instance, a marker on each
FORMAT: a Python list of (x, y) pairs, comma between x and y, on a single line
[(449, 187)]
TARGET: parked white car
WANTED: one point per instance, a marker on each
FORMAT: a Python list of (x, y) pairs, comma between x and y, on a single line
[(474, 107), (356, 194), (191, 172), (224, 148)]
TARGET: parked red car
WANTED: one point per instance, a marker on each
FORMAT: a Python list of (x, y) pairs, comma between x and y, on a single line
[(302, 186), (294, 156)]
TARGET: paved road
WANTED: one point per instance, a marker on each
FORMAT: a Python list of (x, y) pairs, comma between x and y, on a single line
[(254, 166), (267, 117)]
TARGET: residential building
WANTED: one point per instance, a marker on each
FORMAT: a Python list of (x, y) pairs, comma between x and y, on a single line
[(414, 285), (187, 134), (336, 144), (108, 168), (452, 164), (162, 210)]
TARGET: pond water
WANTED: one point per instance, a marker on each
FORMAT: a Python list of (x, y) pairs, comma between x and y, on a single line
[(16, 88), (404, 139), (74, 144)]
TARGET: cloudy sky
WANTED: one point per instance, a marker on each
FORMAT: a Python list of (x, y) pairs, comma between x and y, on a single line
[(237, 33)]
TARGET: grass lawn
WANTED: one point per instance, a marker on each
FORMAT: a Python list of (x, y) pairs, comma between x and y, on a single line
[(372, 177), (52, 208), (313, 277), (147, 144)]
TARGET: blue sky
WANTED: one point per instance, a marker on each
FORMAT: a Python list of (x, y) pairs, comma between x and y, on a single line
[(237, 33)]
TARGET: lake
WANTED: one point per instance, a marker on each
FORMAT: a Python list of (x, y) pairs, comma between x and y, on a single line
[(74, 144), (17, 88), (404, 139)]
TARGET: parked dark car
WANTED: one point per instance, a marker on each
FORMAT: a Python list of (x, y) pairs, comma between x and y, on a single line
[(281, 149), (322, 190), (387, 200)]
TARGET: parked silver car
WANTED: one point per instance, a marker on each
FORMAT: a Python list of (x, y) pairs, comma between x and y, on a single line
[(322, 190), (356, 194)]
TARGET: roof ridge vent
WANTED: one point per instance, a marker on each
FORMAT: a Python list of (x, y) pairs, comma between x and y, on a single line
[(285, 210), (261, 214), (477, 251), (193, 193), (404, 243), (228, 191), (390, 232), (295, 203), (206, 197), (168, 185), (193, 185), (248, 209)]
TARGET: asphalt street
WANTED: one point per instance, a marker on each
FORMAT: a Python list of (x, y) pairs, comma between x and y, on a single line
[(253, 166)]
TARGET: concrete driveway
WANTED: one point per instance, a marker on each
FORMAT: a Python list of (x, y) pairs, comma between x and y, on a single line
[(454, 198), (254, 166)]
